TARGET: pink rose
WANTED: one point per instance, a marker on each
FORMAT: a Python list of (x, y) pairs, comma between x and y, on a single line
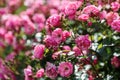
[(77, 51), (25, 19), (65, 35), (60, 35), (57, 33), (13, 23), (66, 47), (13, 3), (65, 69), (89, 23), (39, 51), (29, 28), (28, 73), (51, 42), (102, 15), (9, 38), (2, 32), (70, 9), (91, 9), (40, 73), (55, 55), (56, 37), (115, 61), (29, 12), (83, 17), (53, 11), (53, 3), (116, 25), (83, 42), (38, 18), (91, 77), (115, 6), (111, 16), (51, 70), (11, 56), (3, 11), (28, 25), (54, 20), (40, 27)]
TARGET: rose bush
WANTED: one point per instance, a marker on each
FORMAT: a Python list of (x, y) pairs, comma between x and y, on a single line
[(59, 40)]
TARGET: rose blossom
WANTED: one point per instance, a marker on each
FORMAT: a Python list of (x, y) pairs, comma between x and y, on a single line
[(56, 38), (25, 19), (54, 3), (13, 3), (83, 42), (89, 23), (111, 16), (29, 28), (28, 3), (115, 61), (10, 57), (39, 51), (66, 47), (51, 42), (115, 6), (53, 11), (28, 73), (28, 12), (28, 25), (77, 51), (40, 73), (60, 35), (83, 17), (38, 18), (2, 32), (40, 27), (3, 11), (51, 70), (90, 9), (91, 77), (102, 14), (65, 69), (65, 35), (9, 38), (116, 25), (70, 9), (57, 33), (13, 23), (55, 55), (54, 20)]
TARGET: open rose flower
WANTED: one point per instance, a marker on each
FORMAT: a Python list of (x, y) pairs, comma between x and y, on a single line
[(115, 61), (83, 42), (70, 10), (91, 9), (111, 16), (54, 20), (77, 51), (65, 69), (115, 6), (51, 70), (83, 17), (39, 51), (28, 73), (40, 73), (116, 25)]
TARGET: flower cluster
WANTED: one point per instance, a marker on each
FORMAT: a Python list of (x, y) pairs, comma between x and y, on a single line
[(59, 39)]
